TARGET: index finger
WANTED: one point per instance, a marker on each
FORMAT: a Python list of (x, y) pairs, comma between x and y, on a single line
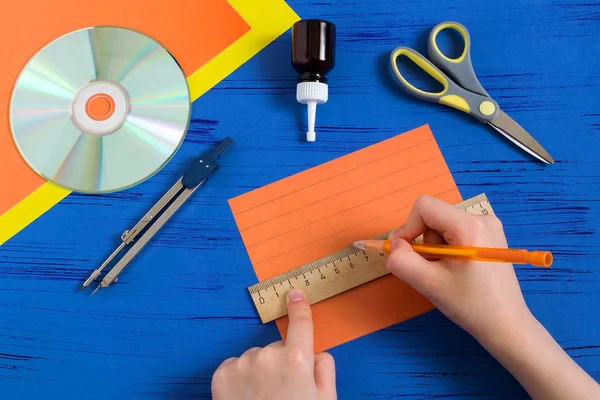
[(429, 212), (300, 328)]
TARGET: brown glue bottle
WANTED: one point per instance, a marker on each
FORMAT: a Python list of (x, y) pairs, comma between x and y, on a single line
[(313, 56)]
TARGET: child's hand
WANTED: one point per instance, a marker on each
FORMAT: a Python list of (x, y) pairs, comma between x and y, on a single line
[(280, 371), (483, 298)]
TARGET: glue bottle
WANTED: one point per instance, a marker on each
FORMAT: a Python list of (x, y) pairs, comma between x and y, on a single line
[(313, 56)]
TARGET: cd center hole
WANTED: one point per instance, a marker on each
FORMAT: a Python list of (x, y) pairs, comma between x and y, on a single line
[(100, 107)]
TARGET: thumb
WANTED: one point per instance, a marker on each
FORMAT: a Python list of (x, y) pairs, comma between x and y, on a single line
[(325, 376), (409, 266)]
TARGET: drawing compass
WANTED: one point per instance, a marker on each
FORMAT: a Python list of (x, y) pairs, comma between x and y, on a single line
[(138, 236)]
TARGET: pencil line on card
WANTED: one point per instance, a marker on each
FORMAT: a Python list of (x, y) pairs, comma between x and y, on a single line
[(355, 187), (331, 177), (345, 210), (349, 228)]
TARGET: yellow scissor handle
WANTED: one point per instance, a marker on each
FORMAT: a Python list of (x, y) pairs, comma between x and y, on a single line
[(425, 65), (457, 27), (459, 69), (481, 107)]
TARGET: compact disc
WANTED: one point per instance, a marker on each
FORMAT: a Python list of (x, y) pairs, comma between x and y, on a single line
[(100, 109)]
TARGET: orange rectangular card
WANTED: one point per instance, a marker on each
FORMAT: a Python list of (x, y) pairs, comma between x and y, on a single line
[(320, 211)]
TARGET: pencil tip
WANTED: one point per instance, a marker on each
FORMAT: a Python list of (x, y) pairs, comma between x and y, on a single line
[(360, 244)]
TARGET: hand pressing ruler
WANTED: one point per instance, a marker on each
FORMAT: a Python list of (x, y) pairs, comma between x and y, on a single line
[(335, 273)]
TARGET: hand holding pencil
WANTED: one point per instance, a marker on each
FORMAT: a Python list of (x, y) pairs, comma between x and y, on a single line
[(482, 298)]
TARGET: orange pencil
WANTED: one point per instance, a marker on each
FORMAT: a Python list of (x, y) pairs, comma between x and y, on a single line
[(448, 252)]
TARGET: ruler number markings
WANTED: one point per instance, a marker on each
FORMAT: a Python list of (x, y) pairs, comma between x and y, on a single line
[(347, 272)]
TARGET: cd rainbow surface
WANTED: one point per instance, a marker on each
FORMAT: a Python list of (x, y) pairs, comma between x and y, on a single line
[(100, 109)]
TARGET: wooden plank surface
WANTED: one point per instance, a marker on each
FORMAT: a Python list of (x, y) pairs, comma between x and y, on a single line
[(182, 307)]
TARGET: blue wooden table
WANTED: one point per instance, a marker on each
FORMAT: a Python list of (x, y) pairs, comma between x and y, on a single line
[(182, 307)]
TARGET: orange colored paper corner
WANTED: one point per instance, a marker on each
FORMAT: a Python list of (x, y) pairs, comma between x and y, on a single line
[(319, 211), (214, 24), (257, 23)]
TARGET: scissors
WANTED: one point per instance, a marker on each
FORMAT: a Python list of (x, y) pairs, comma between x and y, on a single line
[(461, 88)]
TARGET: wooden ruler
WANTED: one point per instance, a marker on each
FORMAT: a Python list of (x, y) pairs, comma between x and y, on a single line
[(335, 273)]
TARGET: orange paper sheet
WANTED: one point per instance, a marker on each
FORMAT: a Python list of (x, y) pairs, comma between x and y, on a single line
[(193, 31), (319, 211)]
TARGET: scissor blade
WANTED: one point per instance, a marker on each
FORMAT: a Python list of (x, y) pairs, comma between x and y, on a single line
[(519, 136)]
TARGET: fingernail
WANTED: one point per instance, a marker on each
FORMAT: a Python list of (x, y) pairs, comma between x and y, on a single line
[(396, 233), (296, 295)]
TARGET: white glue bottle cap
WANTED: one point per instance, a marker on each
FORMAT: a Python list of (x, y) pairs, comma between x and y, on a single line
[(313, 56), (311, 94)]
